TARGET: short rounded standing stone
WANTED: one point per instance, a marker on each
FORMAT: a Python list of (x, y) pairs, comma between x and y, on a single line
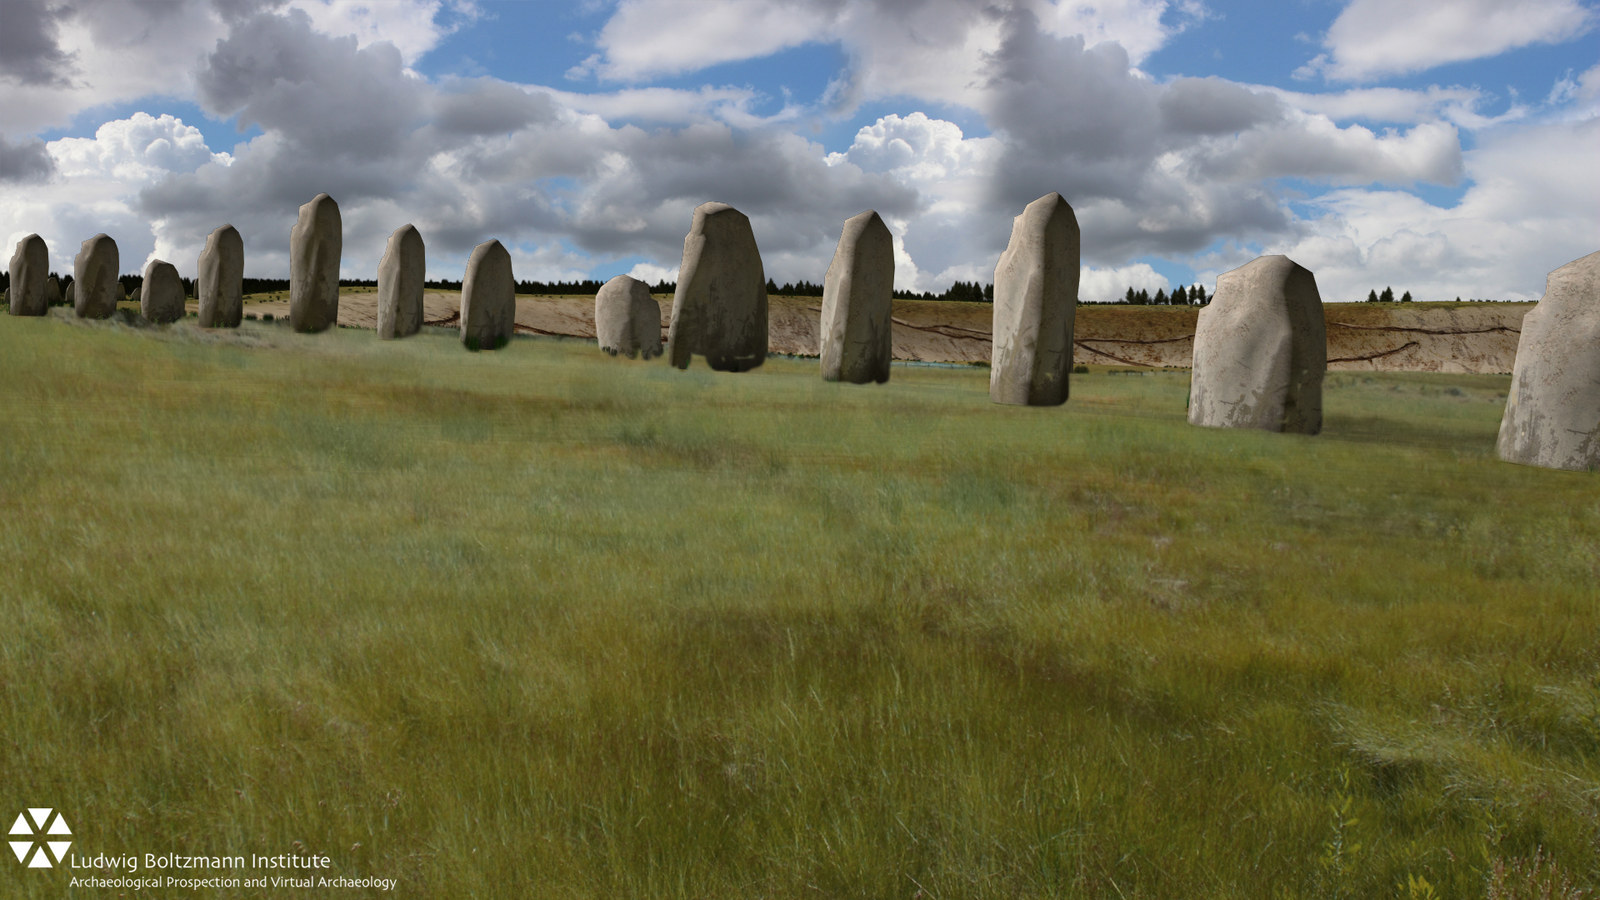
[(315, 243), (401, 272), (69, 296), (857, 301), (161, 294), (52, 291), (29, 294), (1261, 350), (1552, 415), (94, 279), (1035, 303), (219, 285), (627, 320), (488, 298), (720, 308)]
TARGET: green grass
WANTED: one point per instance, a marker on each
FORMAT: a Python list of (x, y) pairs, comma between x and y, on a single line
[(545, 623)]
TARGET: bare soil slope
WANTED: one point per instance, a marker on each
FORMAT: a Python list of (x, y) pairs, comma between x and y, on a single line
[(1412, 337)]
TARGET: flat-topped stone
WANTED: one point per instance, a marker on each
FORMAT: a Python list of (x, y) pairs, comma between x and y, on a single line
[(1035, 303), (1261, 350), (401, 272), (161, 294), (315, 244), (219, 283), (488, 298), (627, 320), (857, 300), (720, 307), (94, 279), (30, 278), (1552, 416)]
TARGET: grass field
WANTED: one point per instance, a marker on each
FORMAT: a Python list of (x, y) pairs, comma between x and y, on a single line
[(544, 623)]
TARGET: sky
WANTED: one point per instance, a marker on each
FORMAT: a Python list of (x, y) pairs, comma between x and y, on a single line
[(1448, 149)]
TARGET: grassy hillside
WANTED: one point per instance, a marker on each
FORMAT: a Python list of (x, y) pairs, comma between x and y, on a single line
[(541, 622)]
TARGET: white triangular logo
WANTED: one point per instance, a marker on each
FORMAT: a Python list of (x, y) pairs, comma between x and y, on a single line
[(59, 826), (20, 848), (58, 849), (39, 813), (21, 826), (39, 861)]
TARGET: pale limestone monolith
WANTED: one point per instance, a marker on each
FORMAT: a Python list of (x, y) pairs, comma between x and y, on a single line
[(30, 277), (627, 320), (720, 308), (401, 272), (1552, 416), (219, 283), (69, 296), (857, 299), (314, 247), (161, 294), (1261, 350), (1035, 302), (94, 279), (488, 298)]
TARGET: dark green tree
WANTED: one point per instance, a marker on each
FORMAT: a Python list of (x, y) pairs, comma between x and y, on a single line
[(1372, 296), (1387, 296), (1406, 297)]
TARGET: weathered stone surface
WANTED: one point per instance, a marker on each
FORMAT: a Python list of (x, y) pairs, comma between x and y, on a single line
[(161, 294), (627, 320), (219, 282), (1552, 416), (30, 274), (488, 298), (720, 308), (52, 291), (94, 279), (1035, 301), (1261, 350), (69, 297), (314, 247), (857, 299), (400, 275)]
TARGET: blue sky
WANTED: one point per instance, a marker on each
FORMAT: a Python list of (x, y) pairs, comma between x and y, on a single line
[(1445, 149)]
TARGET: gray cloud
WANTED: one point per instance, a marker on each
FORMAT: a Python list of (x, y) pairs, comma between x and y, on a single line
[(25, 161), (29, 53)]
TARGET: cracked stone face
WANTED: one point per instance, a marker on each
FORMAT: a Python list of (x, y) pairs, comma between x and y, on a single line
[(315, 244), (94, 279), (857, 299), (627, 320), (1261, 350), (400, 275), (1035, 301), (720, 308), (161, 294), (31, 290), (220, 281), (488, 298), (1552, 416)]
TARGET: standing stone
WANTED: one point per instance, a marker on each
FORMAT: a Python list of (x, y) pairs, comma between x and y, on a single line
[(488, 298), (69, 297), (1552, 416), (30, 277), (857, 298), (94, 279), (52, 291), (161, 295), (627, 319), (720, 308), (220, 281), (1261, 350), (400, 276), (314, 247), (1035, 301)]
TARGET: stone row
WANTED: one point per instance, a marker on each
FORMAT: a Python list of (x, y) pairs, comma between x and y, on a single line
[(1260, 346)]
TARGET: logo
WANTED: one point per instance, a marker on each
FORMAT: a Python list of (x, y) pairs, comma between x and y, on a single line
[(32, 851)]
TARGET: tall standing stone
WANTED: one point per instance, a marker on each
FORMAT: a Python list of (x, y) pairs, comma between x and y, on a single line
[(161, 295), (30, 275), (857, 299), (1035, 302), (401, 272), (627, 319), (720, 308), (220, 283), (1261, 350), (314, 248), (94, 279), (488, 298), (69, 297), (1552, 416)]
